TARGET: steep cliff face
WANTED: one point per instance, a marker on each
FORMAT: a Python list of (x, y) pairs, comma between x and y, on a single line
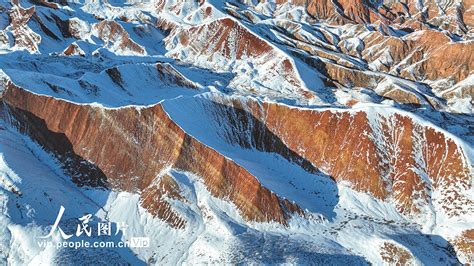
[(129, 147), (380, 155), (391, 156)]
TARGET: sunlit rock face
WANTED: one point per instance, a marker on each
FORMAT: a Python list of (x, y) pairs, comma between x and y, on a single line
[(131, 167)]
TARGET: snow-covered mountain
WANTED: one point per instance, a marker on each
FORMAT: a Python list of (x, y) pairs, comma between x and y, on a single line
[(266, 132)]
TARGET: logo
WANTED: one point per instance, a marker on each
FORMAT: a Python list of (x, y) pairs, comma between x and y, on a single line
[(94, 231)]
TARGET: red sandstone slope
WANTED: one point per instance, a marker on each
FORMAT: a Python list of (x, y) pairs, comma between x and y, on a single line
[(379, 157), (113, 34), (225, 44)]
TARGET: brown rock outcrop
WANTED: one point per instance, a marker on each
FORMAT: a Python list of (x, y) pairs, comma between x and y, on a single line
[(425, 55), (395, 255), (23, 36), (217, 35), (73, 49), (224, 41), (340, 11), (464, 244), (389, 156), (323, 9), (454, 16), (113, 32), (155, 200)]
